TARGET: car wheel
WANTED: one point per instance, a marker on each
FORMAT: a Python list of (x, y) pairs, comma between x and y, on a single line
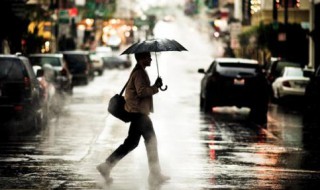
[(274, 96), (278, 99), (46, 114), (259, 110), (70, 91), (86, 81), (259, 114), (207, 106), (201, 104), (35, 121)]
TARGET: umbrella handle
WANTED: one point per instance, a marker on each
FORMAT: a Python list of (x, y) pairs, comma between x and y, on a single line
[(164, 89)]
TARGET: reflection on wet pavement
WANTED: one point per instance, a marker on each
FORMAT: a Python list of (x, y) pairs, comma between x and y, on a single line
[(245, 156)]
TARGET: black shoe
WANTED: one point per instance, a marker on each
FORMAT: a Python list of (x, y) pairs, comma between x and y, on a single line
[(104, 170), (156, 179)]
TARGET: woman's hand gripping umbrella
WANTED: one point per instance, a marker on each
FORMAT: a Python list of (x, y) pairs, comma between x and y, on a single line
[(155, 45)]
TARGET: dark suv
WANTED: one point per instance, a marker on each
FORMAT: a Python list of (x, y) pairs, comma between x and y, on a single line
[(80, 66), (20, 92), (63, 79), (235, 82)]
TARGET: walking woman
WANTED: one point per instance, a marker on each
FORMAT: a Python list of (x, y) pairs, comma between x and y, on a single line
[(139, 104)]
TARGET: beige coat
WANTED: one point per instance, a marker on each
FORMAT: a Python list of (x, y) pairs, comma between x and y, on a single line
[(139, 93)]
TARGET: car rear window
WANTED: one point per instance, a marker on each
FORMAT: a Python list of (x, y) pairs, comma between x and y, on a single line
[(282, 64), (54, 61), (294, 72), (234, 69), (11, 69), (76, 60)]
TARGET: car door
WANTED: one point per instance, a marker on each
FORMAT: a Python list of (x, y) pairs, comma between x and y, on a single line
[(35, 88)]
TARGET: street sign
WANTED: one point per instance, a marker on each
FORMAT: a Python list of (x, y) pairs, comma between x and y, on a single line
[(19, 8), (64, 16)]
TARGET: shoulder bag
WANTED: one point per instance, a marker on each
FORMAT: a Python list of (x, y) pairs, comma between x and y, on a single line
[(116, 106)]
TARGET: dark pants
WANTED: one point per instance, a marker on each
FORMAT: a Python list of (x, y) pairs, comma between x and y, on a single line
[(141, 125)]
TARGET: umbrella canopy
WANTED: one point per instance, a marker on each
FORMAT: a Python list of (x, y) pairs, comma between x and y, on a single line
[(154, 45)]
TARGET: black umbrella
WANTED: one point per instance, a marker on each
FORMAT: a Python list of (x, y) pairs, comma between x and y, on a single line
[(154, 45)]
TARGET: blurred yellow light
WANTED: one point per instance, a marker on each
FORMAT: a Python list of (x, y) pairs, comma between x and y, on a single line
[(113, 21), (47, 46), (112, 32), (134, 28), (218, 22), (81, 27), (106, 29), (104, 39), (216, 34), (89, 21), (255, 6)]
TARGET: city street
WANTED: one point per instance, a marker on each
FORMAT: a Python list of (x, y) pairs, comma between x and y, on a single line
[(199, 152)]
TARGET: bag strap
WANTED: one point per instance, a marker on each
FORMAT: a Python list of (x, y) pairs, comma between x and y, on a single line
[(125, 86), (127, 81)]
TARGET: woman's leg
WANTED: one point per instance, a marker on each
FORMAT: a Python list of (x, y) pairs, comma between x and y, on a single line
[(130, 143), (155, 176), (150, 141)]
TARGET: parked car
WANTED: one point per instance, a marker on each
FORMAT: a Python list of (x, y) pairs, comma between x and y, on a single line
[(80, 66), (112, 62), (291, 82), (20, 93), (312, 96), (97, 63), (275, 67), (114, 41), (63, 79), (103, 51), (235, 82)]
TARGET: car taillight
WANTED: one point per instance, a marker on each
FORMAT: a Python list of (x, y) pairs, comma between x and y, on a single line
[(63, 72), (270, 78), (18, 108), (286, 83), (26, 81)]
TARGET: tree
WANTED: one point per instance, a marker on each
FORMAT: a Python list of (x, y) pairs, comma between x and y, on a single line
[(294, 45)]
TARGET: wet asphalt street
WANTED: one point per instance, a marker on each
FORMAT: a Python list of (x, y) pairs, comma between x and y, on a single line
[(199, 152)]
